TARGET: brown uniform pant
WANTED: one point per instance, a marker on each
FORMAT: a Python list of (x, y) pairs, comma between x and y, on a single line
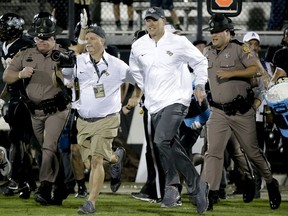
[(47, 129), (219, 130)]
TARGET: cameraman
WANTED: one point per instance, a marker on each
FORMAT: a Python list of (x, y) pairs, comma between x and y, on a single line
[(48, 103)]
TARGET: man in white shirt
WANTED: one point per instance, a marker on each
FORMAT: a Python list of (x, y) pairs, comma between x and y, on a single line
[(158, 63), (99, 76)]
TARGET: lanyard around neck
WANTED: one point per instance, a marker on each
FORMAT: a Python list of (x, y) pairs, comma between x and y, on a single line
[(96, 66)]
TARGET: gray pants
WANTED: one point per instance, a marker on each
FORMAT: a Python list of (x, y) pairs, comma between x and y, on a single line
[(172, 155), (219, 129)]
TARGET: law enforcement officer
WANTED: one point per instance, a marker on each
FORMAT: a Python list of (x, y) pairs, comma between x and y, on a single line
[(158, 62), (46, 101), (17, 116), (231, 65)]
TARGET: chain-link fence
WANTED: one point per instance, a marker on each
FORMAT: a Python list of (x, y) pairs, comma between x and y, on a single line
[(255, 15)]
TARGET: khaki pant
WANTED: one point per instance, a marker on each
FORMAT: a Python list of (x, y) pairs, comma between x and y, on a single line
[(219, 129), (47, 129), (97, 137)]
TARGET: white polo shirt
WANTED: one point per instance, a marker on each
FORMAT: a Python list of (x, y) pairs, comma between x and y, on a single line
[(160, 69), (114, 72)]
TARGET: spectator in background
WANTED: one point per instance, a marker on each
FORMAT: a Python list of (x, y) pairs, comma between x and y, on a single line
[(60, 12), (253, 40), (200, 44), (117, 14), (168, 5), (279, 12), (21, 134)]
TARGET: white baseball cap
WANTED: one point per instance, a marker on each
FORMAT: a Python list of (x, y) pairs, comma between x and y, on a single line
[(251, 36)]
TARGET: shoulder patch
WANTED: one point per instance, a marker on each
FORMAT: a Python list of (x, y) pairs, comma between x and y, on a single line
[(247, 50)]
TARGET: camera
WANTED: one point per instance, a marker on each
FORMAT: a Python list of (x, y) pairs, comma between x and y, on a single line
[(65, 59)]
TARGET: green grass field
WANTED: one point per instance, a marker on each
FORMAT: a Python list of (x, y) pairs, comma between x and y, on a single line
[(121, 203)]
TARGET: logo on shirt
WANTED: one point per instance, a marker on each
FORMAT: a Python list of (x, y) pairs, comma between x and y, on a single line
[(169, 53), (227, 55)]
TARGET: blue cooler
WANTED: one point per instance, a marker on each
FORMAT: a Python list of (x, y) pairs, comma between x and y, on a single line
[(277, 100)]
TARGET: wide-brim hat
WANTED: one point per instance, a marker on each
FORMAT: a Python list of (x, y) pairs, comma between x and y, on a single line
[(219, 22), (44, 25), (42, 32)]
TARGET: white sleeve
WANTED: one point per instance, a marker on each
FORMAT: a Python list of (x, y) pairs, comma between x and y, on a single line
[(135, 70)]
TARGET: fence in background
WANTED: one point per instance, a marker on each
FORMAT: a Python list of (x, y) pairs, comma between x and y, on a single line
[(254, 16)]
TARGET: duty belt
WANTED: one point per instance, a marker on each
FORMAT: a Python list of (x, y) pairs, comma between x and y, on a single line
[(226, 107)]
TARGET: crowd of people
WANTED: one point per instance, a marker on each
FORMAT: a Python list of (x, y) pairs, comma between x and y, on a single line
[(70, 95)]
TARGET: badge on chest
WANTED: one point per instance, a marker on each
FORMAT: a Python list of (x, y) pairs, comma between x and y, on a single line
[(99, 91)]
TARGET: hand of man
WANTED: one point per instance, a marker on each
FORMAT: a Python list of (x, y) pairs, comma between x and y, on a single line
[(132, 102), (26, 73), (84, 19), (199, 93)]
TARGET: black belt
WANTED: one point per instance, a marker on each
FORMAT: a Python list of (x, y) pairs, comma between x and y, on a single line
[(95, 119), (224, 107)]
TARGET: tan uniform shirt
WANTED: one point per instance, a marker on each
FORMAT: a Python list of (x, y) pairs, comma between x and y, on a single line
[(235, 56), (40, 87)]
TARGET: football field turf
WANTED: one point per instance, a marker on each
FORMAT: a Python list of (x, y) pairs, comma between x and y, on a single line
[(121, 203)]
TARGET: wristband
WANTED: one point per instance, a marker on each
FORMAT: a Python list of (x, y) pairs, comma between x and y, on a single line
[(19, 75), (81, 41)]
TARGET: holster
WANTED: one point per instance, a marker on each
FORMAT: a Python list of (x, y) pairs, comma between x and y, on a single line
[(242, 104), (61, 101), (48, 106)]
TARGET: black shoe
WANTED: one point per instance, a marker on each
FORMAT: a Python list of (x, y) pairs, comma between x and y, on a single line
[(212, 197), (116, 170), (60, 193), (142, 196), (249, 190), (274, 194), (43, 194), (24, 191), (222, 193), (82, 192)]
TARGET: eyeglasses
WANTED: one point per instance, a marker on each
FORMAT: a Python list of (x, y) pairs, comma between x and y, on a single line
[(36, 39)]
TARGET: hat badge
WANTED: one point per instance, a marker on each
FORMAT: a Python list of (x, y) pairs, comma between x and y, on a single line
[(152, 10)]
